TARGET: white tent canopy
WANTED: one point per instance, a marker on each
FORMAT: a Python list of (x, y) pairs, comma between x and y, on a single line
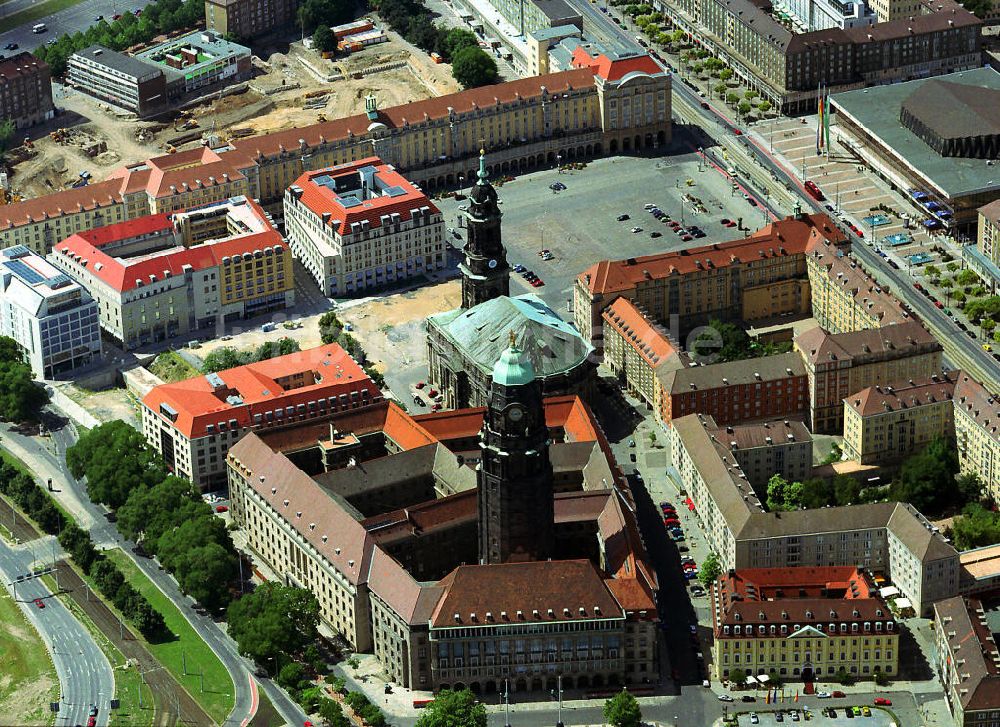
[(763, 678), (888, 592)]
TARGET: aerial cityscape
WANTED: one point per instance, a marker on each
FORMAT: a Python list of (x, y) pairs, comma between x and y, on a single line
[(478, 363)]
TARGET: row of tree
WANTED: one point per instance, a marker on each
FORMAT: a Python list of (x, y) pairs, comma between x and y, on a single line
[(30, 498), (111, 582), (159, 17), (164, 513), (228, 357), (470, 65)]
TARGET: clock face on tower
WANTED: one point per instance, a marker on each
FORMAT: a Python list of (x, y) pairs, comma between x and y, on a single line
[(492, 264), (515, 413)]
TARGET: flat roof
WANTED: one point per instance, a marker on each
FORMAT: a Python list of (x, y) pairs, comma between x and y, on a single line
[(877, 111), (120, 62)]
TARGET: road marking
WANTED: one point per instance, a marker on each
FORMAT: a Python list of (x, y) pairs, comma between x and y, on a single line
[(255, 698)]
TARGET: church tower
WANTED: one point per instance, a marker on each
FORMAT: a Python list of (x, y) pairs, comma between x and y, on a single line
[(515, 473), (485, 273)]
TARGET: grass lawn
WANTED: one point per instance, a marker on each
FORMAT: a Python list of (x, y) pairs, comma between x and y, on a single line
[(171, 367), (218, 697), (29, 680), (38, 12), (127, 680)]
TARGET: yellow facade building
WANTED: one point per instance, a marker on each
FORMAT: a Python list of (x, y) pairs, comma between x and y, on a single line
[(977, 432), (889, 422), (844, 298), (834, 622)]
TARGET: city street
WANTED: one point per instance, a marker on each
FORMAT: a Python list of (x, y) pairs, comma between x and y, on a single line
[(85, 676), (72, 494), (71, 20)]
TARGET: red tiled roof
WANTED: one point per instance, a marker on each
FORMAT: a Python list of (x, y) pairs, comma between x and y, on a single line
[(541, 591), (638, 331), (145, 225), (567, 412), (197, 403), (67, 201), (413, 113), (789, 236), (615, 70), (321, 199), (155, 176)]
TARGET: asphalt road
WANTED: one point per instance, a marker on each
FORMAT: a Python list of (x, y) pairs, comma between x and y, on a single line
[(73, 19), (85, 676), (52, 458)]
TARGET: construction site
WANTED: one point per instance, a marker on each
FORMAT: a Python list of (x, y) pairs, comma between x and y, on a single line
[(293, 88)]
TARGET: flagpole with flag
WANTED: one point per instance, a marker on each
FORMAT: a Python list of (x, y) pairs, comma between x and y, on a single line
[(819, 120)]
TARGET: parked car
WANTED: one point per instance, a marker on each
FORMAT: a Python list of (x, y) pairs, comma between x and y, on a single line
[(838, 694), (725, 698), (883, 702), (11, 46), (822, 695), (622, 217), (221, 508), (654, 233), (748, 699), (636, 230)]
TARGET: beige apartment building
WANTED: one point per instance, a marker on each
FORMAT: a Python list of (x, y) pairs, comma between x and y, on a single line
[(839, 364), (192, 423), (977, 432), (967, 661), (887, 537), (758, 277), (637, 350), (844, 298), (988, 240), (159, 276), (886, 423), (361, 226), (802, 623), (762, 449)]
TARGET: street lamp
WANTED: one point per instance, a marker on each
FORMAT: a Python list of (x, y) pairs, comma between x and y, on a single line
[(559, 690), (506, 701)]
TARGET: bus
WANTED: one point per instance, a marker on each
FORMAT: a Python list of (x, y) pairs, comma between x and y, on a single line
[(813, 191)]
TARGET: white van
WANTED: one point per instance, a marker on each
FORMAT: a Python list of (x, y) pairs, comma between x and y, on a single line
[(39, 28)]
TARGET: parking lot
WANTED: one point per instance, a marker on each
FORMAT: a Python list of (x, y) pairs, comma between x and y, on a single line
[(579, 224), (768, 716)]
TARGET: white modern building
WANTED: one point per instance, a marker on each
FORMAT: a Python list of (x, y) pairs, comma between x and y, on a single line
[(52, 317), (362, 226)]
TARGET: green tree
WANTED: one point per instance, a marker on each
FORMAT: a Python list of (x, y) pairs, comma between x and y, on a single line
[(21, 399), (225, 357), (272, 621), (976, 527), (710, 569), (777, 487), (744, 108), (292, 675), (205, 574), (846, 489), (333, 714), (453, 709), (966, 277), (455, 40), (10, 352), (473, 67), (764, 106), (726, 74), (323, 39), (732, 98), (981, 8), (115, 459), (314, 13), (927, 478), (622, 710), (7, 132), (737, 676), (970, 486)]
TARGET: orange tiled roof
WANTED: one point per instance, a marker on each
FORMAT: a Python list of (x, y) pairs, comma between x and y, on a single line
[(255, 389), (638, 331), (789, 236), (616, 69)]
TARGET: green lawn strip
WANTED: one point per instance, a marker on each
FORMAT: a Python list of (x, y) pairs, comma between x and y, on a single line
[(21, 466), (171, 367), (127, 680), (24, 660), (16, 463), (218, 698), (37, 12)]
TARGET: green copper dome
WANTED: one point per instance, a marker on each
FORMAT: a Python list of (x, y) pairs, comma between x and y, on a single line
[(514, 367)]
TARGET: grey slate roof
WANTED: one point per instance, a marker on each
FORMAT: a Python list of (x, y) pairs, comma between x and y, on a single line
[(482, 333), (119, 62)]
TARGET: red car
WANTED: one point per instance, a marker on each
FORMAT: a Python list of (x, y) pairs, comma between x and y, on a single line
[(91, 722), (737, 132), (40, 603), (421, 384), (883, 701), (221, 508), (687, 238), (838, 695), (537, 283), (671, 522), (938, 304), (919, 287)]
